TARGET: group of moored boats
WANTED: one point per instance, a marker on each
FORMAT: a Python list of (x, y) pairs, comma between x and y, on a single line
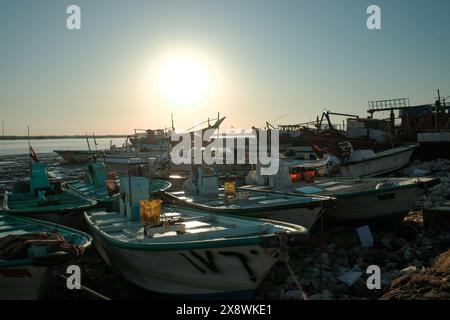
[(205, 240)]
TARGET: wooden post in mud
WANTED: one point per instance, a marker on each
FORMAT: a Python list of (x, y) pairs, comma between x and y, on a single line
[(173, 127), (3, 133), (95, 141), (29, 149), (87, 140)]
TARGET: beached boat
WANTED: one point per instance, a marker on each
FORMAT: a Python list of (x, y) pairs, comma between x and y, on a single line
[(363, 199), (31, 272), (79, 156), (190, 252), (97, 186), (47, 200), (361, 163), (206, 195)]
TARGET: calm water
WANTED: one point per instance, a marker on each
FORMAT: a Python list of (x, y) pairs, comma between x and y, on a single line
[(16, 147)]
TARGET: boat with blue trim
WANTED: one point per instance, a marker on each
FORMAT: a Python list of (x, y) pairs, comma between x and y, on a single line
[(188, 252), (103, 187), (362, 199), (202, 191), (32, 252), (46, 200)]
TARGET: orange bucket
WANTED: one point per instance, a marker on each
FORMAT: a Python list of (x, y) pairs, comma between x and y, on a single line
[(230, 188), (150, 211)]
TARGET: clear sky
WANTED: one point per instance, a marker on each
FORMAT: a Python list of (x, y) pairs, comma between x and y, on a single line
[(263, 60)]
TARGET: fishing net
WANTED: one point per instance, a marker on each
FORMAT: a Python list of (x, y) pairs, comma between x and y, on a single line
[(17, 246)]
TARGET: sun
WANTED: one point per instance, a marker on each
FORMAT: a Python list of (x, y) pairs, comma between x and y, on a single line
[(184, 80)]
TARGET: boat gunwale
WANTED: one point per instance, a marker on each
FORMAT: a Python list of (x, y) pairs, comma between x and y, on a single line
[(416, 183), (321, 202), (384, 154), (112, 198), (49, 210), (254, 240), (29, 261)]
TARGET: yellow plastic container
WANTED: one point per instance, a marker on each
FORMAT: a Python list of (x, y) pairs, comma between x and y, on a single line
[(150, 211), (230, 188)]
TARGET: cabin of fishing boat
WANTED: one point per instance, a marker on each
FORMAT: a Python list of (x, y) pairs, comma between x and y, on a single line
[(39, 178), (97, 174)]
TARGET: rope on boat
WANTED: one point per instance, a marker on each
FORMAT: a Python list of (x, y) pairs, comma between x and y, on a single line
[(283, 256), (94, 293)]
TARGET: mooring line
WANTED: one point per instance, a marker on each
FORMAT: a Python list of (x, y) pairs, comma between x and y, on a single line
[(94, 293), (283, 256), (297, 283)]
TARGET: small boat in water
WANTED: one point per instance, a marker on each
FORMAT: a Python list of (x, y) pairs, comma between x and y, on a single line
[(32, 253), (103, 189), (47, 200), (205, 194), (362, 199), (188, 252)]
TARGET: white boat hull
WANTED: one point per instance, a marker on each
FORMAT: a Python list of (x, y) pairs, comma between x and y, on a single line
[(383, 163), (190, 272), (26, 282), (304, 217), (390, 204)]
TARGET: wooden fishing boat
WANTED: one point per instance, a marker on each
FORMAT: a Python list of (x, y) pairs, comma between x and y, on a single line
[(95, 185), (32, 274), (363, 199), (191, 252), (47, 200), (206, 195)]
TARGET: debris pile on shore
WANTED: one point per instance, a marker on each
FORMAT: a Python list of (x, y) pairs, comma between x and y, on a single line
[(337, 269), (430, 283), (438, 195)]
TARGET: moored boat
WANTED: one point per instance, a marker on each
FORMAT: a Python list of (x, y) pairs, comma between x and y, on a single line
[(361, 163), (29, 273), (47, 200), (79, 156), (205, 194), (189, 252), (363, 199), (105, 191)]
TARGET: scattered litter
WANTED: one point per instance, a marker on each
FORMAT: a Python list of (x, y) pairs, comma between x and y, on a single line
[(365, 236), (349, 278)]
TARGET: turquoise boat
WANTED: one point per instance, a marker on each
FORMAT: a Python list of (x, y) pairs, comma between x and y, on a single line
[(204, 193), (31, 273), (47, 200), (362, 200), (94, 186), (189, 252)]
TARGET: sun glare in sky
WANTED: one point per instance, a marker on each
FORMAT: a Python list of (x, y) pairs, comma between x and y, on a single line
[(184, 80)]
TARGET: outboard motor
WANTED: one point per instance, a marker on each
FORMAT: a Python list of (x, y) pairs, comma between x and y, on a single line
[(332, 165), (345, 148)]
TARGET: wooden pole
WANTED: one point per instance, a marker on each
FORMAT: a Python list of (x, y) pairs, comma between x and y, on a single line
[(87, 140), (29, 149)]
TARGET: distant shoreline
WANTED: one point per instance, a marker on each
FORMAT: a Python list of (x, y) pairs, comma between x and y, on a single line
[(59, 137)]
